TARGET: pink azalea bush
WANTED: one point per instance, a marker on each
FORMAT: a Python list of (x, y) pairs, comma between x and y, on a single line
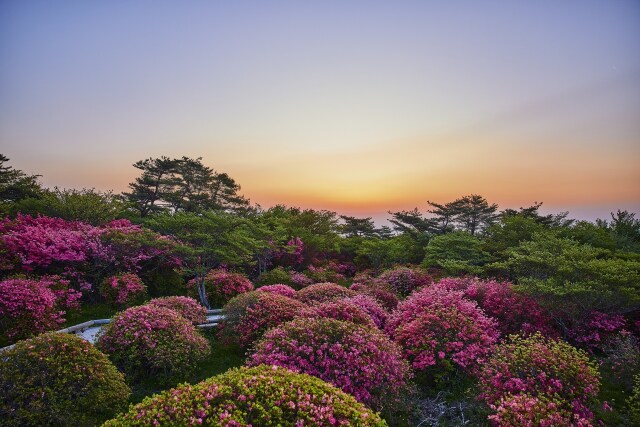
[(123, 290), (540, 366), (280, 289), (149, 340), (299, 280), (222, 285), (339, 310), (372, 307), (31, 306), (515, 313), (405, 280), (437, 327), (324, 274), (360, 360), (380, 291), (524, 410), (593, 332), (323, 292), (258, 396), (187, 307), (248, 316), (58, 379)]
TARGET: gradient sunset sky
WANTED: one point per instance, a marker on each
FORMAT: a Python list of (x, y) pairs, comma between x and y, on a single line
[(355, 106)]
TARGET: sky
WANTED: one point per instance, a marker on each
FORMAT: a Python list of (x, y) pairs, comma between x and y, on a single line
[(359, 107)]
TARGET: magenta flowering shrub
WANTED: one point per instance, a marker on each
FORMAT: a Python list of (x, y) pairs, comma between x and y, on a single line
[(404, 280), (299, 280), (28, 307), (437, 327), (540, 366), (380, 291), (222, 285), (259, 396), (323, 292), (292, 254), (58, 379), (187, 307), (123, 290), (280, 289), (339, 310), (593, 332), (372, 307), (248, 316), (150, 340), (360, 360), (524, 410), (515, 313)]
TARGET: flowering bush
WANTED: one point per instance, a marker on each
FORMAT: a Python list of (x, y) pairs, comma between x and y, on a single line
[(438, 327), (595, 330), (623, 358), (381, 292), (405, 280), (187, 307), (150, 340), (249, 315), (323, 292), (299, 280), (515, 313), (28, 307), (340, 310), (280, 289), (372, 307), (324, 274), (222, 285), (259, 396), (361, 361), (123, 290), (535, 366), (523, 410), (59, 379)]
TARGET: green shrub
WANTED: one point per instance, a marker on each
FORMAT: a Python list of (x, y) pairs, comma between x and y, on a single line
[(263, 396), (275, 276), (59, 379)]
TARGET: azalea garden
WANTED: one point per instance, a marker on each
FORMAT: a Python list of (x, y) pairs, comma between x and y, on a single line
[(456, 314)]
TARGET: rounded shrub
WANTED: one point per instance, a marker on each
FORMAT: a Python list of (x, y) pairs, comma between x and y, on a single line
[(405, 280), (150, 340), (280, 289), (339, 310), (323, 292), (123, 290), (249, 315), (439, 328), (372, 307), (524, 410), (540, 366), (222, 285), (265, 396), (273, 277), (360, 360), (382, 292), (187, 307), (59, 379)]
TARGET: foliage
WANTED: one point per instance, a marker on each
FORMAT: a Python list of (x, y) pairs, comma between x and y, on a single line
[(634, 400), (524, 410), (539, 366), (265, 396), (249, 315), (323, 292), (387, 252), (222, 285), (593, 331), (439, 328), (372, 307), (30, 306), (380, 291), (299, 280), (187, 307), (340, 310), (509, 232), (123, 290), (469, 213), (404, 280), (361, 361), (15, 185), (59, 379), (275, 276), (455, 253), (280, 289), (149, 340)]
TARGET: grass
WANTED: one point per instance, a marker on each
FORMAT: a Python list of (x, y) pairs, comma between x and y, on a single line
[(89, 312)]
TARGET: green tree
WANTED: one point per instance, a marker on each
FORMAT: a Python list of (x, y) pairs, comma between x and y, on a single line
[(456, 253), (16, 185)]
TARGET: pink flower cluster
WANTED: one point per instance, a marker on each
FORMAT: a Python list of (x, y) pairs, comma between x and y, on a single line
[(515, 313), (372, 307), (280, 289), (323, 292), (222, 285), (28, 307), (381, 292), (187, 307), (324, 274), (405, 280), (540, 366), (437, 326), (524, 410), (592, 332), (299, 280), (361, 361), (148, 340), (249, 315), (292, 254), (340, 310), (123, 290)]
